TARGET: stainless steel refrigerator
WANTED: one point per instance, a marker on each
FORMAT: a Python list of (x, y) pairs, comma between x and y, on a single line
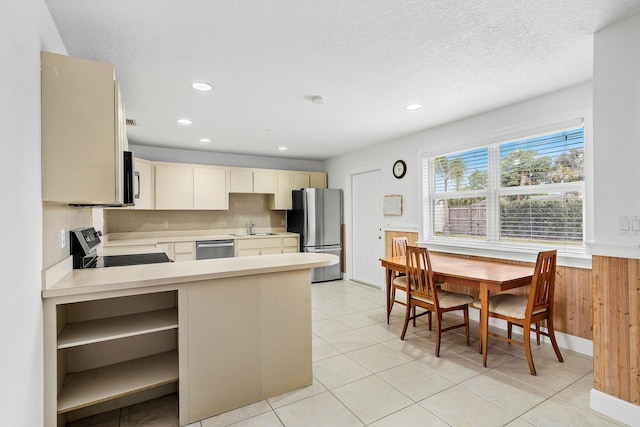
[(316, 215)]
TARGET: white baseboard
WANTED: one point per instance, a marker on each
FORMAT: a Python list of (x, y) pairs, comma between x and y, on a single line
[(570, 342), (615, 408)]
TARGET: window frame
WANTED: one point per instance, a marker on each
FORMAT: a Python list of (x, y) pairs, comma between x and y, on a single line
[(492, 246)]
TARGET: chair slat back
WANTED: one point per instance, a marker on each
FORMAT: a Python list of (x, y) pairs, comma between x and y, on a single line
[(543, 283), (419, 273), (399, 246)]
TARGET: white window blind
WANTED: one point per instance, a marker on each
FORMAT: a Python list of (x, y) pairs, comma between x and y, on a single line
[(527, 192)]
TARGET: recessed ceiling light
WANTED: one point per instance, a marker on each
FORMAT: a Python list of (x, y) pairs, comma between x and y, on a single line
[(282, 148), (201, 86), (205, 140), (317, 99), (184, 121), (413, 107)]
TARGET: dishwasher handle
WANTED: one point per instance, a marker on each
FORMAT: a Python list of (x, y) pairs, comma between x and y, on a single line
[(213, 245)]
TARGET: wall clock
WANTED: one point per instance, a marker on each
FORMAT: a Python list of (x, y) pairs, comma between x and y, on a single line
[(399, 168)]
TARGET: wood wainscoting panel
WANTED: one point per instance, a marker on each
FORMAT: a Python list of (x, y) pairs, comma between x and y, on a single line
[(390, 235), (616, 327)]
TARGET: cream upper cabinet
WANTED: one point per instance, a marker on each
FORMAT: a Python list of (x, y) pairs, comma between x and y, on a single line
[(186, 186), (264, 181), (300, 180), (143, 185), (210, 189), (241, 180), (252, 181), (317, 180), (174, 186), (83, 131), (309, 180), (282, 197)]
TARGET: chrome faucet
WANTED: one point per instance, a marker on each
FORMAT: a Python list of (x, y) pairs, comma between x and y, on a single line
[(251, 225)]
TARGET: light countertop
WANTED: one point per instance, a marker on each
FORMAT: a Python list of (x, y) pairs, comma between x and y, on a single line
[(77, 282)]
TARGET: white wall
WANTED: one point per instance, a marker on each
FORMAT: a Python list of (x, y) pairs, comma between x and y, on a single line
[(616, 97), (556, 107), (222, 159), (25, 28)]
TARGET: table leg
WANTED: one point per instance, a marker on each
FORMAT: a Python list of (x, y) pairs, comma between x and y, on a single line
[(388, 291), (484, 321)]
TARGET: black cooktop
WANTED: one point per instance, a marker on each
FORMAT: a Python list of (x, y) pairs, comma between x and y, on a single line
[(131, 259)]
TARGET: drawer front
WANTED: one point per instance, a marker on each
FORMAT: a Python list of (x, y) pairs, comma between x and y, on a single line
[(184, 247), (248, 252), (270, 251), (289, 241), (259, 243)]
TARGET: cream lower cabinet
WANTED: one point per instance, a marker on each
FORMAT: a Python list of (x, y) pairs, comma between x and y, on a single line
[(236, 359), (266, 246), (179, 251), (111, 352)]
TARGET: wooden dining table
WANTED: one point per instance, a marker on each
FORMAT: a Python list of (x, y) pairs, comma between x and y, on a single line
[(487, 276)]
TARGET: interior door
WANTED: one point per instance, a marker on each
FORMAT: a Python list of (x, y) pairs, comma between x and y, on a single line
[(368, 245)]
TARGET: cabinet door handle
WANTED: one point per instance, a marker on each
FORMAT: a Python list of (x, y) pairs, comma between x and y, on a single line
[(137, 175)]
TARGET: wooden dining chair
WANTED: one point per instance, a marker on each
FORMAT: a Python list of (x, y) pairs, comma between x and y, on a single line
[(423, 292), (398, 248), (531, 310)]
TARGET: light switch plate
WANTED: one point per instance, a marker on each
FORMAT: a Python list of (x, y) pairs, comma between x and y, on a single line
[(629, 225)]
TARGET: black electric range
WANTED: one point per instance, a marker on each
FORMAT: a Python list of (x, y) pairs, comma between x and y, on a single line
[(83, 249)]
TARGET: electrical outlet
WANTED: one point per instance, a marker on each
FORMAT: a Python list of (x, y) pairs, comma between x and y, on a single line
[(166, 224), (63, 239), (629, 225), (222, 223), (282, 223)]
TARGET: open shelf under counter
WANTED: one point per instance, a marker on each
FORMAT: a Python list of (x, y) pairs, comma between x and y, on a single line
[(111, 328), (87, 388)]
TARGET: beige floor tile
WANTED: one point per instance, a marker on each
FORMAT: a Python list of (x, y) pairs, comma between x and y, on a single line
[(556, 412), (381, 332), (371, 399), (237, 415), (296, 395), (363, 305), (412, 346), (378, 358), (453, 367), (358, 320), (459, 407), (329, 326), (338, 370), (268, 419), (550, 380), (495, 356), (505, 392), (519, 422), (322, 349), (412, 416), (337, 310), (317, 315), (321, 410), (415, 380), (348, 340)]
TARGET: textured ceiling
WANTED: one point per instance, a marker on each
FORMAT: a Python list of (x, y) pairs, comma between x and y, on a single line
[(367, 58)]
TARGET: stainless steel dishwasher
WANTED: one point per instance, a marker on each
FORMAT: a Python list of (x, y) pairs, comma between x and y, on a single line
[(209, 249)]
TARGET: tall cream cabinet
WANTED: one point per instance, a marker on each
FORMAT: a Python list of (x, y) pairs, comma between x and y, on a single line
[(83, 131)]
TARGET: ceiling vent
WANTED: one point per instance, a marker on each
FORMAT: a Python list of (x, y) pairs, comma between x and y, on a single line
[(132, 122)]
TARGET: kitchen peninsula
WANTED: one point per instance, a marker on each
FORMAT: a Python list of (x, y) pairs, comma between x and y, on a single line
[(228, 331)]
